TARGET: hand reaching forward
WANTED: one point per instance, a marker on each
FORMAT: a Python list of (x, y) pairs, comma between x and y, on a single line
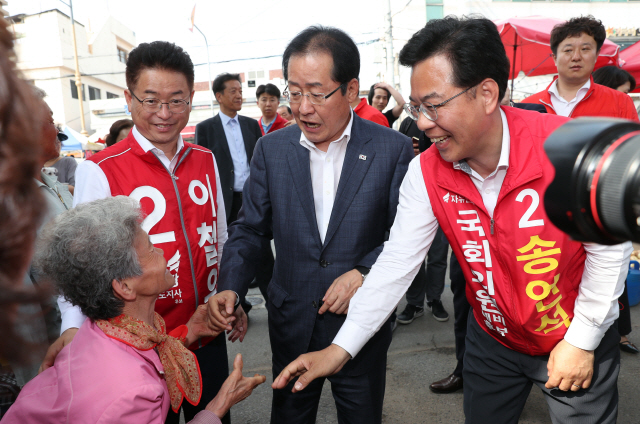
[(240, 325), (55, 348), (310, 366), (235, 389), (339, 295), (220, 310), (569, 367), (199, 326)]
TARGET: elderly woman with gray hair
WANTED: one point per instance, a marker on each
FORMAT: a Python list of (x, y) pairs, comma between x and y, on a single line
[(121, 366)]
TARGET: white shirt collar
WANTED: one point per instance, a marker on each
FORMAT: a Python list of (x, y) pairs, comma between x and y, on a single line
[(503, 162), (579, 94), (226, 119), (146, 144), (346, 135)]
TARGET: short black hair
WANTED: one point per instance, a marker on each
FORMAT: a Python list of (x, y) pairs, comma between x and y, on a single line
[(613, 77), (333, 41), (158, 55), (269, 89), (471, 44), (219, 84), (288, 108), (576, 26), (372, 92)]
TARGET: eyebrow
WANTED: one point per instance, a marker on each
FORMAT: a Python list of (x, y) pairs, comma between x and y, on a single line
[(155, 92), (309, 84), (429, 96)]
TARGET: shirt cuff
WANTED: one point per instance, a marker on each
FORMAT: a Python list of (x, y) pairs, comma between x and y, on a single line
[(205, 417), (351, 338), (584, 336), (72, 317)]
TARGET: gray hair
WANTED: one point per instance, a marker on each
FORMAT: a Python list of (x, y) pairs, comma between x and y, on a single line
[(84, 249)]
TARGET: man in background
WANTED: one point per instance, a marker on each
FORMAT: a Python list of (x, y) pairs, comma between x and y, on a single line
[(268, 98)]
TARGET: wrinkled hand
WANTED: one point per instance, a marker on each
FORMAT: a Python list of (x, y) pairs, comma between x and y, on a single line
[(339, 295), (220, 310), (55, 348), (240, 325), (569, 365), (310, 366), (199, 326), (235, 389)]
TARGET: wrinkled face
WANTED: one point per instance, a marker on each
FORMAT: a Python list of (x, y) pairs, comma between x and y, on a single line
[(268, 104), (380, 99), (49, 136), (321, 124), (155, 277), (162, 127), (231, 97), (284, 112), (576, 58), (625, 88), (456, 132)]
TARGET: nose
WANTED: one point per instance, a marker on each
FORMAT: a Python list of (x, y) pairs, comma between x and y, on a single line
[(424, 123), (164, 111), (576, 55), (306, 107)]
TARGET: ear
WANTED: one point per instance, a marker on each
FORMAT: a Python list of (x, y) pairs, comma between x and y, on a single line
[(193, 92), (353, 90), (216, 96), (123, 289), (489, 93), (128, 98)]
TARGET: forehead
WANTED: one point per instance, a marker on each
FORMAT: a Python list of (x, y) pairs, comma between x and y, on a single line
[(312, 69), (578, 40), (431, 79), (380, 92), (234, 83), (267, 96), (162, 82)]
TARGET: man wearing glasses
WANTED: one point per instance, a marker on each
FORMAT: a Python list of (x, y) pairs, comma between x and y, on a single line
[(526, 281), (178, 187), (327, 190)]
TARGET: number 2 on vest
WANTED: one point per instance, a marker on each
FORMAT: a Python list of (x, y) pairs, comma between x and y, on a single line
[(159, 209), (525, 221)]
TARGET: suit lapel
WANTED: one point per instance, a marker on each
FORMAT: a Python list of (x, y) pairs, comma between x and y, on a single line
[(246, 137), (299, 163), (220, 135), (358, 158)]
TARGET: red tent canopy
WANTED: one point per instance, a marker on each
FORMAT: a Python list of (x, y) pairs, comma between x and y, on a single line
[(528, 39), (630, 62)]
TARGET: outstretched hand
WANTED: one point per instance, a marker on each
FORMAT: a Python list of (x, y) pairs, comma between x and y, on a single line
[(235, 389), (220, 310), (198, 326), (340, 292), (240, 325), (310, 366)]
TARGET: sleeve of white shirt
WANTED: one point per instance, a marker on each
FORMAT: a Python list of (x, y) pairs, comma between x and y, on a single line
[(411, 236), (91, 184), (596, 307)]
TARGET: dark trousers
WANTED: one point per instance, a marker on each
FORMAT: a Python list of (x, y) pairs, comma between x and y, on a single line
[(431, 281), (214, 368), (264, 269), (497, 382), (461, 309), (358, 398), (624, 320)]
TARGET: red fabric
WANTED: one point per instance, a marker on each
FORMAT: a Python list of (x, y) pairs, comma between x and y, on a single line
[(523, 289), (132, 172), (630, 62), (599, 101), (365, 111), (532, 37), (277, 124)]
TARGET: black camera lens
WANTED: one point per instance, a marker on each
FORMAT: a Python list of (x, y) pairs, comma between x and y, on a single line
[(595, 195)]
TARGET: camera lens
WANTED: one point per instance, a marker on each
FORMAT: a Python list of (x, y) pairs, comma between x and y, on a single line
[(595, 195)]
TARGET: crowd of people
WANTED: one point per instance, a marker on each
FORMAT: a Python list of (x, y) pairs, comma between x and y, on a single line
[(136, 330)]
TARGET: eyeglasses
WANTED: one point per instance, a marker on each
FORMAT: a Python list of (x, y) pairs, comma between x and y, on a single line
[(151, 105), (315, 98), (429, 110)]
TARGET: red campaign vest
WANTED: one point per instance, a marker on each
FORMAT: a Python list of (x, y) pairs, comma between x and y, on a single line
[(183, 223), (522, 273)]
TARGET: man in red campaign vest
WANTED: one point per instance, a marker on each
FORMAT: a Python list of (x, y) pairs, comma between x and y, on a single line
[(542, 304), (178, 188)]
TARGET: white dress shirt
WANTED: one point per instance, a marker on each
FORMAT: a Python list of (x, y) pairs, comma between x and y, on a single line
[(326, 168), (560, 105), (235, 141), (411, 236), (92, 184)]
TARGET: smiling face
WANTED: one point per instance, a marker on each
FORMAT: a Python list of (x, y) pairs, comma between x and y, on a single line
[(155, 278), (457, 132), (380, 99), (161, 128), (321, 124), (575, 58)]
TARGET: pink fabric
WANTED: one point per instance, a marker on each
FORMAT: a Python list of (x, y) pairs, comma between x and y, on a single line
[(630, 62), (95, 379)]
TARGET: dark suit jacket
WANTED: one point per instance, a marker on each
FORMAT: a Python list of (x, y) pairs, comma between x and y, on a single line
[(278, 201), (210, 134)]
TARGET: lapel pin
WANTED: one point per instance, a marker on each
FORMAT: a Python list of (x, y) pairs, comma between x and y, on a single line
[(362, 157)]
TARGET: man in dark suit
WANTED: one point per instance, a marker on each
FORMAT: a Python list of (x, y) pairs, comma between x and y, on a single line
[(327, 190), (232, 138)]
